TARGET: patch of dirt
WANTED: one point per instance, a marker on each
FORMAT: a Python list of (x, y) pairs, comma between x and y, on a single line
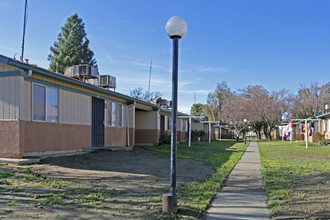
[(126, 185), (310, 199)]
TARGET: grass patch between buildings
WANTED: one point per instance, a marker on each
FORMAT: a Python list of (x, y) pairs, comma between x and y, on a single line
[(194, 198), (296, 179)]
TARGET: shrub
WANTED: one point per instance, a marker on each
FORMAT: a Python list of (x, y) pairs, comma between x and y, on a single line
[(165, 139)]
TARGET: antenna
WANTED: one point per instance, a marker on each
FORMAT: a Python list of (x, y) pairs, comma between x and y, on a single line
[(149, 79), (24, 25)]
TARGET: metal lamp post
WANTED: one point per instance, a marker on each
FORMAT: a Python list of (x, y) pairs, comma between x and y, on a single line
[(175, 28), (245, 130)]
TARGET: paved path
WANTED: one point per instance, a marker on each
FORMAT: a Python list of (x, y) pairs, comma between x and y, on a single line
[(244, 196)]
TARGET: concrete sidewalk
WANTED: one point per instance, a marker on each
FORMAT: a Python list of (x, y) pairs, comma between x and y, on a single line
[(244, 196)]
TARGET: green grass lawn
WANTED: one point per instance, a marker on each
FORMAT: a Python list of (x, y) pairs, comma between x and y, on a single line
[(223, 156), (297, 179)]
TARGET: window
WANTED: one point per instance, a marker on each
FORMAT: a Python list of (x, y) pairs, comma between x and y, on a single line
[(184, 125), (52, 104), (109, 118), (124, 116), (113, 116), (39, 101), (120, 113), (45, 103)]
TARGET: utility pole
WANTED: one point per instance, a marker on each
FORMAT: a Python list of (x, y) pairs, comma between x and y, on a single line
[(24, 25)]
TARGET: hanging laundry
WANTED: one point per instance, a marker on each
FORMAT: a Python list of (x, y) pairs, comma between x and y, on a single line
[(291, 126)]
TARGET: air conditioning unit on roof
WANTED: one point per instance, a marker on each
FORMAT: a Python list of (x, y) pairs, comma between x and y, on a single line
[(107, 81), (327, 107), (82, 71)]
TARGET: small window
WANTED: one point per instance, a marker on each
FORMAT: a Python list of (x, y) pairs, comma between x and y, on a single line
[(45, 103), (52, 104), (39, 111), (113, 116), (124, 116), (109, 115), (120, 119)]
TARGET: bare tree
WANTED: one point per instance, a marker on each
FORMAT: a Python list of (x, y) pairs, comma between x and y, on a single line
[(138, 93), (310, 101)]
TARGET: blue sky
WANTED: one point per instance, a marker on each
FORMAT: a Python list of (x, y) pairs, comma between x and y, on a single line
[(277, 44)]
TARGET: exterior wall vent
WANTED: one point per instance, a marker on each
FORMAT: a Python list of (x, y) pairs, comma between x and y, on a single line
[(107, 81)]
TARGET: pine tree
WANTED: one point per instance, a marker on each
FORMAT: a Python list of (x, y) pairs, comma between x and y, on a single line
[(71, 47)]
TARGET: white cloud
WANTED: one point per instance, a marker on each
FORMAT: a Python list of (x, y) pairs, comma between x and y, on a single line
[(199, 91), (212, 69), (184, 108)]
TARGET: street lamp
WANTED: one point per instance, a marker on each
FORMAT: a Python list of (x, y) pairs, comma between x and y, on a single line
[(175, 28), (245, 130)]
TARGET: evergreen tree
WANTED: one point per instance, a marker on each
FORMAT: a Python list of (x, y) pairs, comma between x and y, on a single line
[(196, 109), (71, 47)]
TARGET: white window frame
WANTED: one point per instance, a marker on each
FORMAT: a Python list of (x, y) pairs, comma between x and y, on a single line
[(32, 100)]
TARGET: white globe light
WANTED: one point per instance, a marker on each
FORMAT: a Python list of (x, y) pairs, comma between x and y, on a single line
[(176, 27), (245, 120)]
